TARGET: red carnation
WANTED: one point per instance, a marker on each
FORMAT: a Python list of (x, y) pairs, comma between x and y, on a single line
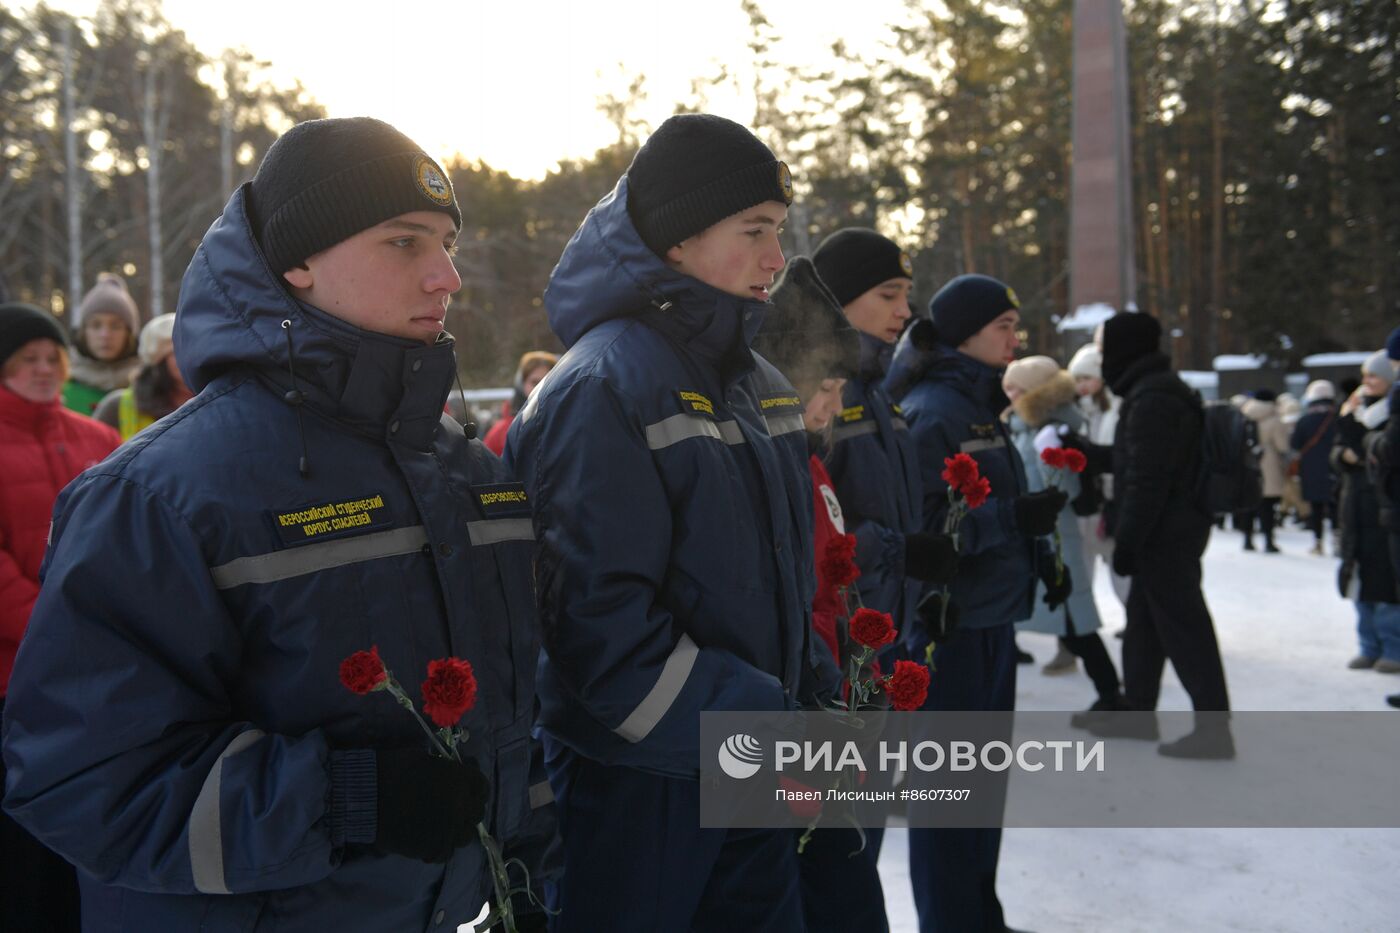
[(960, 470), (1075, 461), (872, 629), (1053, 457), (449, 691), (977, 492), (907, 686), (838, 564), (363, 672)]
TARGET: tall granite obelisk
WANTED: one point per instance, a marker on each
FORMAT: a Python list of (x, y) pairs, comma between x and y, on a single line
[(1101, 221)]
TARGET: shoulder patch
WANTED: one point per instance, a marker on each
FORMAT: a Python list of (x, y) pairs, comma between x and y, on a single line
[(330, 519), (695, 402), (500, 500), (780, 402)]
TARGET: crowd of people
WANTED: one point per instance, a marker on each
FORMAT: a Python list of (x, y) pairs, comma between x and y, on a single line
[(270, 486)]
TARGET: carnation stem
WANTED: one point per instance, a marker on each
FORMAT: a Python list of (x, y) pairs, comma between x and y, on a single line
[(398, 693)]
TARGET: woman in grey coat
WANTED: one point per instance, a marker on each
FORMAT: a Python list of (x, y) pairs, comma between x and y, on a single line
[(1043, 396)]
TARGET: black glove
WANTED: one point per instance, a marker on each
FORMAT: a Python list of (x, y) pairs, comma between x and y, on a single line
[(428, 807), (1344, 575), (931, 558), (536, 922), (929, 610), (1036, 513), (1124, 562), (1088, 502), (1057, 593), (1098, 457)]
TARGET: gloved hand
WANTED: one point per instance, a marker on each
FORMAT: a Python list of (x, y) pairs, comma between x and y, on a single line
[(1088, 502), (428, 807), (1057, 593), (1344, 576), (1099, 456), (1037, 512), (929, 609), (931, 558), (1124, 562)]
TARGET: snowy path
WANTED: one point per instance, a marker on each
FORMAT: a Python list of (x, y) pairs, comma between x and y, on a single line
[(1286, 637)]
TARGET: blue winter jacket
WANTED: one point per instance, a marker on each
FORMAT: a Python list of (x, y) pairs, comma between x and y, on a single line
[(667, 467), (953, 405), (175, 726), (876, 472)]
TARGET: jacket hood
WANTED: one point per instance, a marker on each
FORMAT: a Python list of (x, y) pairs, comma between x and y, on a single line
[(1037, 405), (1256, 410), (607, 272), (230, 317), (919, 355)]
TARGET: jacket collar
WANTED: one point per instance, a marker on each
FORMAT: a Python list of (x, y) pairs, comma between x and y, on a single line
[(1142, 366), (21, 412), (875, 356)]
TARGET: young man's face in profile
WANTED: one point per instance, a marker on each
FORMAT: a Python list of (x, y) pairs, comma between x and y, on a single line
[(394, 278), (739, 255)]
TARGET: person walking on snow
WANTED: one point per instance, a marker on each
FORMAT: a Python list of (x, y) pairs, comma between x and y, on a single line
[(1311, 441), (1274, 447)]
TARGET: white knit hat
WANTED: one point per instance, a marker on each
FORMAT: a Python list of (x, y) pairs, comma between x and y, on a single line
[(1378, 364), (1030, 373), (1319, 390), (157, 339), (1088, 361)]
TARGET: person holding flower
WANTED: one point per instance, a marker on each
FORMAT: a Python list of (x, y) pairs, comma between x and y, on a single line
[(667, 465), (946, 375), (1042, 402), (176, 724)]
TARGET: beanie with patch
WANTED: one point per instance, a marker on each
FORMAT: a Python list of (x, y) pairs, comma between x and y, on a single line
[(853, 261)]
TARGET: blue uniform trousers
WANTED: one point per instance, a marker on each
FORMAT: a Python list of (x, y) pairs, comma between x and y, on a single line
[(636, 859), (953, 871)]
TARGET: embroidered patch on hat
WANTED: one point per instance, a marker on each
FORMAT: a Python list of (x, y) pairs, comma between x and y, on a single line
[(906, 264), (785, 181), (431, 181), (1011, 294)]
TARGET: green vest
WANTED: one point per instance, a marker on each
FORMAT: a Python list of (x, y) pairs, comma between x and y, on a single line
[(130, 419)]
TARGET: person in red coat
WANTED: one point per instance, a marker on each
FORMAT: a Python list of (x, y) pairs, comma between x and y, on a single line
[(43, 446), (534, 366)]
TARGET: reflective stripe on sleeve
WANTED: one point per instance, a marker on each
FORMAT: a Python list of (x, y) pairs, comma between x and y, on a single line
[(295, 562), (494, 531), (668, 686), (779, 425), (206, 839), (845, 431), (681, 427), (971, 447), (541, 795)]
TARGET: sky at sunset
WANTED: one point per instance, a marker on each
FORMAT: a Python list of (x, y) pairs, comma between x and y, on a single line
[(512, 83)]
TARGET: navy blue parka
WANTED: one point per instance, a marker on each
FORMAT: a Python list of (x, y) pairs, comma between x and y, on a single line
[(667, 466), (175, 726), (953, 404), (876, 470)]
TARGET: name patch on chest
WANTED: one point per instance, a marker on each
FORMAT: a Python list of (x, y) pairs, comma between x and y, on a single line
[(781, 402), (331, 519), (695, 402), (854, 413), (502, 500)]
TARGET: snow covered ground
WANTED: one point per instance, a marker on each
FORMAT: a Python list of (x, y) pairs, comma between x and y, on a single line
[(1286, 637)]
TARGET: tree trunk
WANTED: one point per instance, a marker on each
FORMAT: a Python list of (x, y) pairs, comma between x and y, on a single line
[(72, 177), (155, 140)]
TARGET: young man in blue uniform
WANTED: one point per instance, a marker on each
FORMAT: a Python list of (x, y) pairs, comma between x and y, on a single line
[(175, 726), (667, 465), (947, 376)]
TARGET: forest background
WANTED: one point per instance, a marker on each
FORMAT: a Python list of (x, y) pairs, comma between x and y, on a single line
[(1265, 156)]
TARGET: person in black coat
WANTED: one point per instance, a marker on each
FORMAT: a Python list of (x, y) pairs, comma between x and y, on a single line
[(1312, 440), (1161, 531)]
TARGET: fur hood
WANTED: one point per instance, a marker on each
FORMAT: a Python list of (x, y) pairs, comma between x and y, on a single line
[(1036, 406)]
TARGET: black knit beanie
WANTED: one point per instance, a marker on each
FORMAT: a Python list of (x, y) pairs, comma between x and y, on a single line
[(21, 323), (696, 170), (1128, 337), (324, 181), (967, 304), (854, 260), (805, 334)]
